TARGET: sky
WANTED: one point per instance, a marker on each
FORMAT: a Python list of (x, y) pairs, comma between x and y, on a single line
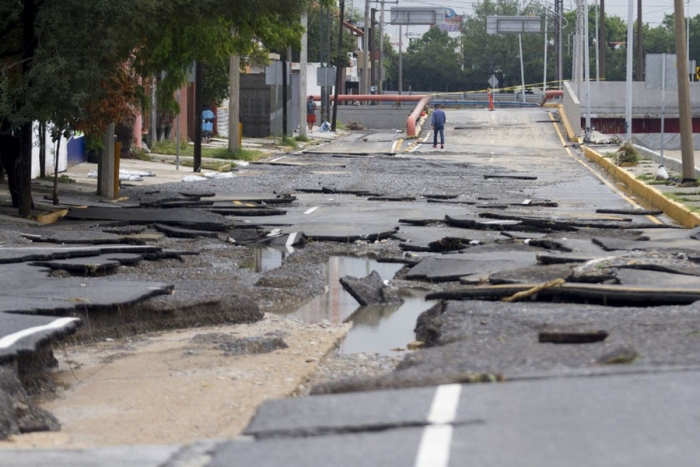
[(652, 10)]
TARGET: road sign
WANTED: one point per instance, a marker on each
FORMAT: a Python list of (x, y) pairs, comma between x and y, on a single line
[(654, 66), (325, 76), (513, 25), (493, 81), (409, 16)]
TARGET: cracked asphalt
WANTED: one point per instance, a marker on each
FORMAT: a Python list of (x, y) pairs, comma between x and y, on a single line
[(506, 203)]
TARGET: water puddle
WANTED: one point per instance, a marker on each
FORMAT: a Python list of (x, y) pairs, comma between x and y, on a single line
[(381, 329), (375, 329), (267, 258)]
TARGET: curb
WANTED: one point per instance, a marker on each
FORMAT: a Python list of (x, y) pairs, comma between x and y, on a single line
[(567, 125), (676, 211)]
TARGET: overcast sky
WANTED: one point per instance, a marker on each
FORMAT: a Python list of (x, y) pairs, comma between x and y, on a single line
[(652, 10)]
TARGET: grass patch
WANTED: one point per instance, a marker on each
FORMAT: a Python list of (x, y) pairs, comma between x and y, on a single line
[(208, 165), (645, 177), (63, 178), (302, 139), (627, 155), (187, 150), (141, 155), (289, 142), (170, 147), (340, 126)]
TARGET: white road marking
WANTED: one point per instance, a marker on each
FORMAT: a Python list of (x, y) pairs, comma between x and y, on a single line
[(393, 146), (290, 239), (277, 159), (11, 339), (434, 448), (309, 211), (422, 142)]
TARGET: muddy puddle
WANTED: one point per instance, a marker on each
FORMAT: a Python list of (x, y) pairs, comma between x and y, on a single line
[(376, 329)]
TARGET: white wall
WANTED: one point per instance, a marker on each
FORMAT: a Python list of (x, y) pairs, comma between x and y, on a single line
[(50, 153)]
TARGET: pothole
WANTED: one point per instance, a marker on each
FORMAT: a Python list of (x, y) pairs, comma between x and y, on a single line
[(382, 329)]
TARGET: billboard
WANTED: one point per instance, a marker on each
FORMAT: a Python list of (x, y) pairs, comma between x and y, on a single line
[(453, 21)]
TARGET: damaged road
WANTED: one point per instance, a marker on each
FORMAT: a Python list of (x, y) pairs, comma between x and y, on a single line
[(596, 345)]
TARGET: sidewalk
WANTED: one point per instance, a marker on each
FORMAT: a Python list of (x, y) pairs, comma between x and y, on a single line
[(681, 204), (162, 166)]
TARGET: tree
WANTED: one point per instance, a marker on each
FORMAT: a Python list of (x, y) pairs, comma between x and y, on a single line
[(432, 63), (60, 61)]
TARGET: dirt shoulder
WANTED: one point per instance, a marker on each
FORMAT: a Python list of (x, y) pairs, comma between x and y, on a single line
[(178, 386)]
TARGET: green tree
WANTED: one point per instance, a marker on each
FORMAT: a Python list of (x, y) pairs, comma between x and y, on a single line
[(62, 60), (432, 63)]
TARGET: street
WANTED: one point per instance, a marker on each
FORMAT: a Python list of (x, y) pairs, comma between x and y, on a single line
[(592, 358)]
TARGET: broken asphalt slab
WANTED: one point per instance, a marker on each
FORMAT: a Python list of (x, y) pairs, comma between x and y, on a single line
[(22, 334), (189, 218), (522, 423), (547, 423), (451, 267), (501, 340), (370, 290)]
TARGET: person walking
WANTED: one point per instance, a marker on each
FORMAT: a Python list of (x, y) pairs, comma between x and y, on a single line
[(310, 113), (437, 121)]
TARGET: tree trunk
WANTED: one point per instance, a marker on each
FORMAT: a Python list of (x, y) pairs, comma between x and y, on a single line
[(55, 168), (198, 109), (42, 149), (23, 171), (22, 166), (125, 135)]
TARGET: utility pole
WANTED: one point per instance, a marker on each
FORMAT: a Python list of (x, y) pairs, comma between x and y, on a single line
[(559, 12), (400, 60), (303, 60), (380, 86), (587, 73), (373, 49), (234, 104), (198, 109), (339, 60), (640, 56), (153, 130), (365, 47), (687, 156), (597, 44), (285, 57), (628, 81), (603, 40)]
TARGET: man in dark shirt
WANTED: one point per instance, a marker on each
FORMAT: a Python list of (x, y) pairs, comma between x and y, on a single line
[(437, 121)]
